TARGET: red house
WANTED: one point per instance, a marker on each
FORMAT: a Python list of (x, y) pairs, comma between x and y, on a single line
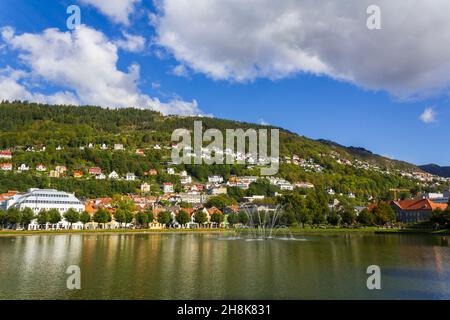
[(95, 171), (5, 154)]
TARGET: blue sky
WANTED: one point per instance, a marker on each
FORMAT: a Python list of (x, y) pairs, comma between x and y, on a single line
[(350, 92)]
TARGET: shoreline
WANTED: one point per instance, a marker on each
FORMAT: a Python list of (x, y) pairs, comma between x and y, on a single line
[(293, 231)]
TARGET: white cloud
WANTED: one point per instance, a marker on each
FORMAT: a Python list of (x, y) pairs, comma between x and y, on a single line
[(243, 40), (428, 116), (85, 62), (180, 71), (117, 10), (131, 43)]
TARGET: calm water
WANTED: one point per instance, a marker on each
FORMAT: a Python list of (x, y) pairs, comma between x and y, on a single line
[(211, 266)]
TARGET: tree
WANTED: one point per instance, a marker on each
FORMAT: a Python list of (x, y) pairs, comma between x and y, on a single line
[(102, 216), (243, 217), (85, 217), (27, 217), (72, 216), (121, 216), (319, 218), (54, 216), (233, 219), (13, 217), (165, 218), (144, 218), (2, 218), (43, 217), (384, 214), (365, 218), (183, 217), (185, 205), (333, 218), (220, 202), (217, 218), (348, 216), (200, 217), (287, 218)]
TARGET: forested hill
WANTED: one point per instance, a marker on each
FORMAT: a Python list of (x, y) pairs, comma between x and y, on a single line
[(28, 124), (437, 170)]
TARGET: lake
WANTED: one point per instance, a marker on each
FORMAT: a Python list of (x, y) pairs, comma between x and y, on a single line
[(221, 266)]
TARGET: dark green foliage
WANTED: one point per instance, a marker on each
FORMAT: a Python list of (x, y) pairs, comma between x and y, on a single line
[(183, 217), (164, 218), (200, 217), (217, 218)]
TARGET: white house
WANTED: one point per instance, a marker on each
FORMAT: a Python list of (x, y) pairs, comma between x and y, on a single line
[(100, 176), (113, 176), (186, 180), (168, 187), (170, 171), (215, 179), (23, 167), (118, 146), (130, 176)]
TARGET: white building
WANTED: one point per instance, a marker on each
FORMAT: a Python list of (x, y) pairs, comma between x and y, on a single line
[(170, 171), (114, 176), (118, 146), (194, 198), (45, 199), (23, 167), (130, 176), (168, 187), (215, 179), (186, 180), (100, 176)]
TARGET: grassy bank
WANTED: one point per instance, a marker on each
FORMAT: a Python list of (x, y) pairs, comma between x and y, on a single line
[(293, 231), (444, 232)]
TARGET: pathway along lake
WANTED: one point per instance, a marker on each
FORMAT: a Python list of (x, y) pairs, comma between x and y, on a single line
[(219, 266)]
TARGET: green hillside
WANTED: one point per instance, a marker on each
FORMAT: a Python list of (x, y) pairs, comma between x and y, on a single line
[(24, 126)]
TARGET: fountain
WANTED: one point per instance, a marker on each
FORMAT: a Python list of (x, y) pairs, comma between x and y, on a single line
[(264, 225)]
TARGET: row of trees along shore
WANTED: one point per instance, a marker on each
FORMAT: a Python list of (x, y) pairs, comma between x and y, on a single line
[(380, 216)]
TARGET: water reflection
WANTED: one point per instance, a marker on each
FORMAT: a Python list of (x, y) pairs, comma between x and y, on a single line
[(211, 266)]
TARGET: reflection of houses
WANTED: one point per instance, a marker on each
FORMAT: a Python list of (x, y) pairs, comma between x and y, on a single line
[(416, 210)]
